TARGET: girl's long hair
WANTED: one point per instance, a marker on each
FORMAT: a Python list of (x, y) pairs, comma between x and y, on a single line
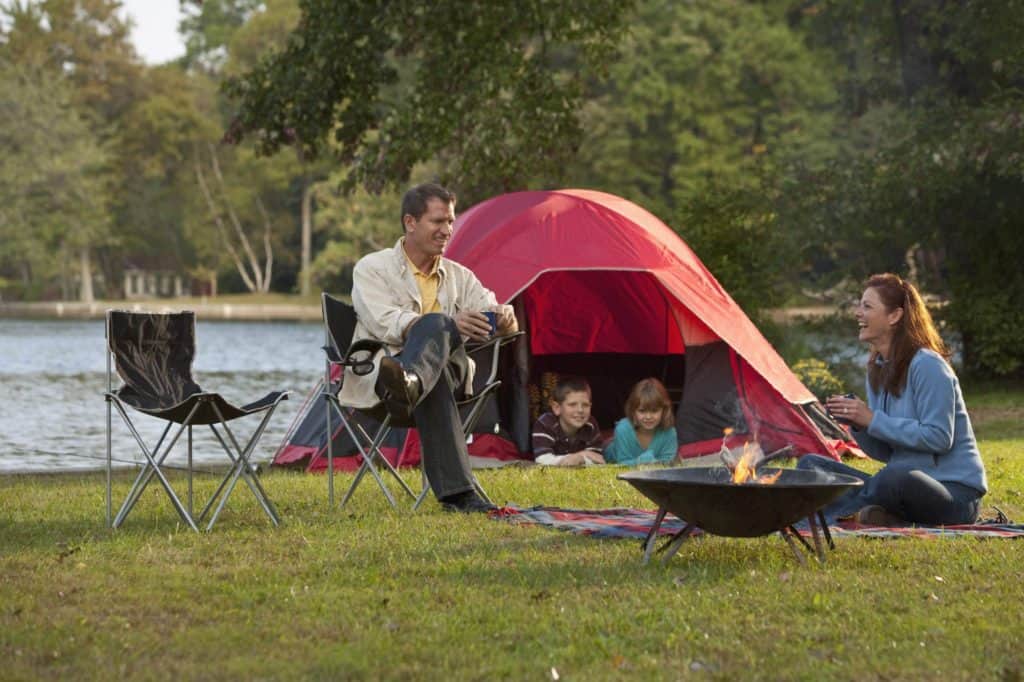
[(650, 394), (914, 331)]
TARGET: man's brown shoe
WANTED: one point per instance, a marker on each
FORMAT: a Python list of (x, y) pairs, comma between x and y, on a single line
[(467, 503), (401, 386)]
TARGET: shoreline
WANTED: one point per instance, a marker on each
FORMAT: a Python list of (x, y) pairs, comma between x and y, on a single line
[(255, 312), (251, 312)]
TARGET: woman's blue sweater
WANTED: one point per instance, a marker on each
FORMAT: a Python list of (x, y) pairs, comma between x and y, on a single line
[(926, 427)]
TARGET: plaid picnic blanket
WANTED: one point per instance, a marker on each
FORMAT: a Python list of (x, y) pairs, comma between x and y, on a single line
[(636, 523)]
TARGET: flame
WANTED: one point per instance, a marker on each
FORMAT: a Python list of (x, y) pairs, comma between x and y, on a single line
[(746, 467)]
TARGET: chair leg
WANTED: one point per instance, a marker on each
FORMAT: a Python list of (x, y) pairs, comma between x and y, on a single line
[(376, 451), (109, 451), (190, 511), (239, 469), (330, 443), (153, 469), (142, 479), (423, 493), (368, 454)]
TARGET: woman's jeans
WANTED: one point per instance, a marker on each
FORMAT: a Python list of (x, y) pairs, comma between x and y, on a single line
[(909, 493)]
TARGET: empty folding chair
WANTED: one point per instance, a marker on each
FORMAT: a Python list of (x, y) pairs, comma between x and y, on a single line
[(339, 325), (152, 353)]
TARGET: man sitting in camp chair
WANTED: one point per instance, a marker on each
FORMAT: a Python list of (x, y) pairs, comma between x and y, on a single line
[(423, 307)]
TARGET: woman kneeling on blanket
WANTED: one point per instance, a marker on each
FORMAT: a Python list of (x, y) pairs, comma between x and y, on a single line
[(914, 420)]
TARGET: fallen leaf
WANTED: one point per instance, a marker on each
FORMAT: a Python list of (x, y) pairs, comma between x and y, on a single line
[(940, 578), (554, 674)]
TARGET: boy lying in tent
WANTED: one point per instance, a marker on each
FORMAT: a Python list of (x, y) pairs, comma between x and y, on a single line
[(568, 435)]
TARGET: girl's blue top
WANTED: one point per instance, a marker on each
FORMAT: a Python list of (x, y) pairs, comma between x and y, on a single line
[(926, 427), (626, 449)]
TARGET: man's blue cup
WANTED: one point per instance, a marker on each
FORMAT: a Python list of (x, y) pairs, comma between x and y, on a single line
[(492, 317)]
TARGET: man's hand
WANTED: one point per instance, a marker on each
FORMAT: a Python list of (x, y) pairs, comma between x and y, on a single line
[(593, 457), (473, 325), (507, 322)]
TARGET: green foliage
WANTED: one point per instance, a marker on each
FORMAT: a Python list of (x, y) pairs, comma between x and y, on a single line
[(934, 188), (738, 236), (389, 85), (355, 223), (818, 378), (209, 27), (54, 175), (706, 96)]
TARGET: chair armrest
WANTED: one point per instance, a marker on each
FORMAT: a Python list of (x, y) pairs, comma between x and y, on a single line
[(474, 347)]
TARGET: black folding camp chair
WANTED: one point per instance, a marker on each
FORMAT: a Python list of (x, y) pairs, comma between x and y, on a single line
[(339, 326), (152, 353)]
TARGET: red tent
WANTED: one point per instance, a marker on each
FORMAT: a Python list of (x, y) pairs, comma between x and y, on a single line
[(608, 291)]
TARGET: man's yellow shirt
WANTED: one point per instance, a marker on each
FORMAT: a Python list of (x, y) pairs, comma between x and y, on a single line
[(428, 284)]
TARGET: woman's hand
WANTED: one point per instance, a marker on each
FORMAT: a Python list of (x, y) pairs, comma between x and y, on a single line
[(853, 410)]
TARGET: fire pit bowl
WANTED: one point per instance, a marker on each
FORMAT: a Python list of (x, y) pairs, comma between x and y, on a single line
[(707, 498)]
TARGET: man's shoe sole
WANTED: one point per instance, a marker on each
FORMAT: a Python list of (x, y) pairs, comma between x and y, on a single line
[(392, 378)]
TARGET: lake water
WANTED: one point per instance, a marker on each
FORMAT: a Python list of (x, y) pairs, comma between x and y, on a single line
[(53, 375)]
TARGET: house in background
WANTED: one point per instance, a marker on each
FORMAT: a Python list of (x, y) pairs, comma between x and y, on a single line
[(141, 283)]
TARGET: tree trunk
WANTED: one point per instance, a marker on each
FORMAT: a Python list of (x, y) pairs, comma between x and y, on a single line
[(307, 236), (916, 66), (85, 266)]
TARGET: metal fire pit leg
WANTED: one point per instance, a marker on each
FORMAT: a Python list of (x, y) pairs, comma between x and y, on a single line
[(652, 535), (673, 545), (826, 531), (795, 533), (785, 533), (818, 547)]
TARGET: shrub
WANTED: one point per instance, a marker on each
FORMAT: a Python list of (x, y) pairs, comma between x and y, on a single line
[(818, 378)]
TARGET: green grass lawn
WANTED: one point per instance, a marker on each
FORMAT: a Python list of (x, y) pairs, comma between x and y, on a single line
[(368, 593)]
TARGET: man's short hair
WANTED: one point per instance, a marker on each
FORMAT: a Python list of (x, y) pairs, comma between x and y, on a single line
[(567, 385), (414, 202)]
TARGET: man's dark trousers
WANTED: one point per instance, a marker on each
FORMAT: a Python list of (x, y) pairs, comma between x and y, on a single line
[(434, 351)]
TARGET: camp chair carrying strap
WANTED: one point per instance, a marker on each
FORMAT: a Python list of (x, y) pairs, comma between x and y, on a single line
[(152, 353)]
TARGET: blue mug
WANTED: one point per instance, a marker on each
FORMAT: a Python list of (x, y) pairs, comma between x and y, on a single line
[(492, 317)]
